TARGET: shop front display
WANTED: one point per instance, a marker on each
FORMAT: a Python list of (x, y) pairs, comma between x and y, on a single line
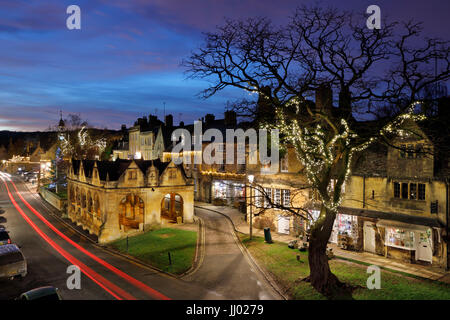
[(407, 241), (228, 191)]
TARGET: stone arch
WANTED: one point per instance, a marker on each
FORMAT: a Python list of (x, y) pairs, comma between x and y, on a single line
[(78, 196), (97, 210), (83, 199), (89, 202), (172, 207), (131, 212), (72, 195)]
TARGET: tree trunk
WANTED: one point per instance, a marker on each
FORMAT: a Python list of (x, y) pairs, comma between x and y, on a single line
[(321, 277)]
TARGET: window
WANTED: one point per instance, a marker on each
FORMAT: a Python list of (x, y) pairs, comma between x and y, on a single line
[(132, 175), (277, 197), (413, 191), (404, 190), (284, 164), (402, 150), (399, 238), (268, 194), (419, 150), (257, 198), (410, 151), (287, 198), (421, 191)]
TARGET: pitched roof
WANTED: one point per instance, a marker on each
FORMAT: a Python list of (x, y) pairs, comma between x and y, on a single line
[(114, 169)]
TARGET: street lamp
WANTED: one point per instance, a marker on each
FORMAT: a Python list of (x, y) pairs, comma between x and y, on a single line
[(250, 179)]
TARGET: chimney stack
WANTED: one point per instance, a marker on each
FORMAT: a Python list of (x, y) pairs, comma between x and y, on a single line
[(209, 118), (230, 118), (169, 121)]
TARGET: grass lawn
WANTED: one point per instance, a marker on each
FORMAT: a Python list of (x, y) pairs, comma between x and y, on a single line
[(153, 247), (282, 263)]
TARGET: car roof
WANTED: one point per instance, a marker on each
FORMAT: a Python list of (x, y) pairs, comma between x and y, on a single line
[(8, 248), (40, 292)]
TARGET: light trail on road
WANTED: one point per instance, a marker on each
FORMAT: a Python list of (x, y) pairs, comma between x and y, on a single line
[(105, 284), (148, 290)]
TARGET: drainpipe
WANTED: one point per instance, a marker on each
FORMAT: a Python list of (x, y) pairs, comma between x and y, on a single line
[(364, 191)]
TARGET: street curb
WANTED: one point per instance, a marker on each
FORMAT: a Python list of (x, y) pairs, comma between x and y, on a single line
[(246, 253), (199, 250)]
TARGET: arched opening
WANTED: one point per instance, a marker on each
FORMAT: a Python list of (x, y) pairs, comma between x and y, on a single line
[(78, 196), (72, 198), (131, 212), (97, 211), (89, 203), (171, 207)]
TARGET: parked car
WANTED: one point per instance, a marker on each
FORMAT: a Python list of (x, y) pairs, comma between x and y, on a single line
[(12, 262), (4, 237), (42, 293)]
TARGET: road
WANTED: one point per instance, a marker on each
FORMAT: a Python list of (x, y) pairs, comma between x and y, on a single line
[(226, 270), (47, 263), (50, 246)]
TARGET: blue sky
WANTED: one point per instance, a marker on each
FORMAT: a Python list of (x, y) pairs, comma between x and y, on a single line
[(125, 61)]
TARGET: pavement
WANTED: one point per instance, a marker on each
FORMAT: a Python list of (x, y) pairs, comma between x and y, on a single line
[(427, 272)]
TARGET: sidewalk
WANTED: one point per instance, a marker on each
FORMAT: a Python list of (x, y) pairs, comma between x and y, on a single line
[(427, 272)]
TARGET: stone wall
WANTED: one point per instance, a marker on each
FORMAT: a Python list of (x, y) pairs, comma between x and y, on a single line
[(53, 199)]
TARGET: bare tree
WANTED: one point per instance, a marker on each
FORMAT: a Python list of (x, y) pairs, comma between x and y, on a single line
[(321, 50)]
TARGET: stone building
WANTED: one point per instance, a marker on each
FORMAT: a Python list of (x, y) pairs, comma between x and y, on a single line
[(112, 199), (399, 198), (286, 188), (396, 202)]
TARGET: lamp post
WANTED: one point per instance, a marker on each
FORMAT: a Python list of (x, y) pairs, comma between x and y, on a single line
[(250, 179)]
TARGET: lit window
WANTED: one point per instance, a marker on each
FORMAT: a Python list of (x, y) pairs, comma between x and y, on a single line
[(284, 164), (268, 194), (277, 197), (287, 198), (413, 191)]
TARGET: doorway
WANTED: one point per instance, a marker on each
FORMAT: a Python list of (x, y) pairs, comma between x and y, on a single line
[(172, 207), (424, 250), (369, 237), (283, 224)]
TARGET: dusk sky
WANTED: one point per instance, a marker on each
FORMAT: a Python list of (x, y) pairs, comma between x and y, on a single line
[(125, 61)]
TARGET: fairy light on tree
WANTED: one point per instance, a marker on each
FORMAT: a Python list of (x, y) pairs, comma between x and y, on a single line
[(322, 50)]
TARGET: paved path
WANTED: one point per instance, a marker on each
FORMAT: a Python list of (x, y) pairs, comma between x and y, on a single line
[(227, 271), (428, 272)]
